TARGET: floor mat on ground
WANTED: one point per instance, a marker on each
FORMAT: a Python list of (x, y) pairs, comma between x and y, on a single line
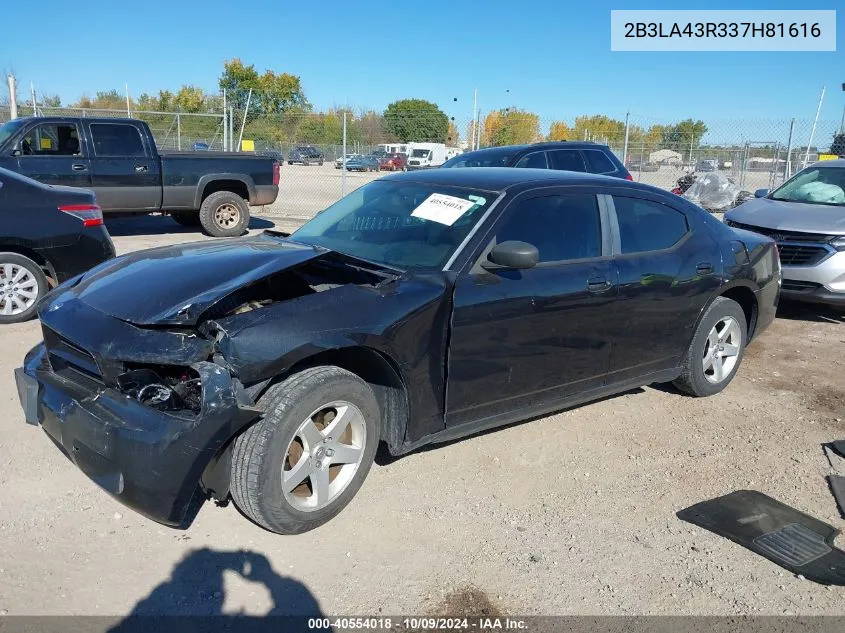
[(794, 540)]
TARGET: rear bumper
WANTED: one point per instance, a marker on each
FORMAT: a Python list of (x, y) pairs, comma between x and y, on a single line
[(149, 460), (264, 194), (767, 305)]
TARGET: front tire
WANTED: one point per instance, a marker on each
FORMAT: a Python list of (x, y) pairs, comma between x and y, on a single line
[(224, 214), (306, 458), (22, 284), (716, 351)]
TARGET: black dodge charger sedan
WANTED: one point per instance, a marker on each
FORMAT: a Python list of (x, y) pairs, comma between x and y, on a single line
[(420, 308)]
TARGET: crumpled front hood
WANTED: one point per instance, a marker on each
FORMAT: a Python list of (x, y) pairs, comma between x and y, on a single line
[(174, 285), (790, 216)]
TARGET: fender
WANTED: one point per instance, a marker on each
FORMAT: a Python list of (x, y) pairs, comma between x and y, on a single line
[(210, 178)]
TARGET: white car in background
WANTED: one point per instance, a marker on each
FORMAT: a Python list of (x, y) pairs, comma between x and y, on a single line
[(340, 162)]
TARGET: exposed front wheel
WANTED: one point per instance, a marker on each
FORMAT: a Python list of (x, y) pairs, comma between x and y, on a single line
[(22, 284), (224, 214), (716, 351), (309, 454)]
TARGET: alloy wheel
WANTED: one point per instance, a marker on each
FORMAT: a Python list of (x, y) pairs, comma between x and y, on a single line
[(323, 456), (721, 351), (18, 289)]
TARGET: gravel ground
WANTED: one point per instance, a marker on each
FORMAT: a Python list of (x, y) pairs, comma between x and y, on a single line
[(569, 514)]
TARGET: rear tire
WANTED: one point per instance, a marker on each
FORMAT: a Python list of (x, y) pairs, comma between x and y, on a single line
[(292, 443), (716, 351), (22, 285), (224, 214)]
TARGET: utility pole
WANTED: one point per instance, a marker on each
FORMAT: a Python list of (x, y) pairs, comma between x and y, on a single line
[(13, 97), (475, 134), (343, 160), (128, 111), (625, 148), (813, 130), (32, 96)]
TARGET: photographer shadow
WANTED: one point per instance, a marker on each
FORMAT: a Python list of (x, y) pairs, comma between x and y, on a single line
[(192, 599)]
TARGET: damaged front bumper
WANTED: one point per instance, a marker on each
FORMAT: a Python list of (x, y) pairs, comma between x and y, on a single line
[(150, 460)]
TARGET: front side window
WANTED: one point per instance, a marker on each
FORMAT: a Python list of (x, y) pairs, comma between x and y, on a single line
[(401, 224), (116, 139), (419, 153), (648, 226), (567, 159), (562, 228), (51, 139)]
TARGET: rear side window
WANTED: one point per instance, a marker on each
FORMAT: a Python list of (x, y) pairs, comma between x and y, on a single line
[(648, 226), (598, 162), (115, 139), (537, 160), (566, 159)]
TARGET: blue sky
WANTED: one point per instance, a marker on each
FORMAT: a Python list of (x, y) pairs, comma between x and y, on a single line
[(547, 56)]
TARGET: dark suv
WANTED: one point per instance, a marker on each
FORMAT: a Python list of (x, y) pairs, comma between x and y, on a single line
[(578, 156), (305, 154)]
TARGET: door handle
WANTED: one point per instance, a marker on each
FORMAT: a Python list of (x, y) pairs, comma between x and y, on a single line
[(598, 284), (77, 167), (140, 168), (704, 268)]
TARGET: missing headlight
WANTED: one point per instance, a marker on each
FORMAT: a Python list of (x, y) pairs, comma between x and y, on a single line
[(163, 387)]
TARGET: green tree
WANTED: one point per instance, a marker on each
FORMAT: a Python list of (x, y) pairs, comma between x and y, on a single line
[(190, 99), (599, 126), (511, 126), (51, 101), (684, 134), (416, 120), (272, 93), (105, 99)]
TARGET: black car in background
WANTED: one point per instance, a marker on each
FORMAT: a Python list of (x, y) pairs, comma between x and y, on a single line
[(306, 154), (47, 235), (422, 307), (584, 156)]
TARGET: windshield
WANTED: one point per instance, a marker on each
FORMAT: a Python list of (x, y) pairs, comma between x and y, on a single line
[(419, 153), (9, 129), (814, 185), (483, 158), (400, 224)]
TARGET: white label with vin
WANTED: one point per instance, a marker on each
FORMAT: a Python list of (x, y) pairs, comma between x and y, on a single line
[(441, 208)]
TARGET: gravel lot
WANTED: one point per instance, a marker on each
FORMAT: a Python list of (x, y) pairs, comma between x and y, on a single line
[(569, 514)]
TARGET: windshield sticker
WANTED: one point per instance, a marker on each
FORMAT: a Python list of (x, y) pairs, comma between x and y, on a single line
[(444, 209)]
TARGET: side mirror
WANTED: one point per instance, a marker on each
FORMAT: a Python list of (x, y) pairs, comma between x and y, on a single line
[(761, 193), (514, 254), (16, 152)]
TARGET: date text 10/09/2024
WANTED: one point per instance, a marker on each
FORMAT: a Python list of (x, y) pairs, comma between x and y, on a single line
[(418, 623), (722, 29)]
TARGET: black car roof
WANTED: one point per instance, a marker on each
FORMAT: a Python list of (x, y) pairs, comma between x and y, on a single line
[(501, 178), (516, 149)]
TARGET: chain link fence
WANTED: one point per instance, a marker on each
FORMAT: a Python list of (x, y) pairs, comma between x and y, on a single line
[(755, 153)]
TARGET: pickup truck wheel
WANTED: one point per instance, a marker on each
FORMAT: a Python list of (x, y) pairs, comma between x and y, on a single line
[(186, 219), (716, 351), (224, 214), (22, 284), (309, 454)]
